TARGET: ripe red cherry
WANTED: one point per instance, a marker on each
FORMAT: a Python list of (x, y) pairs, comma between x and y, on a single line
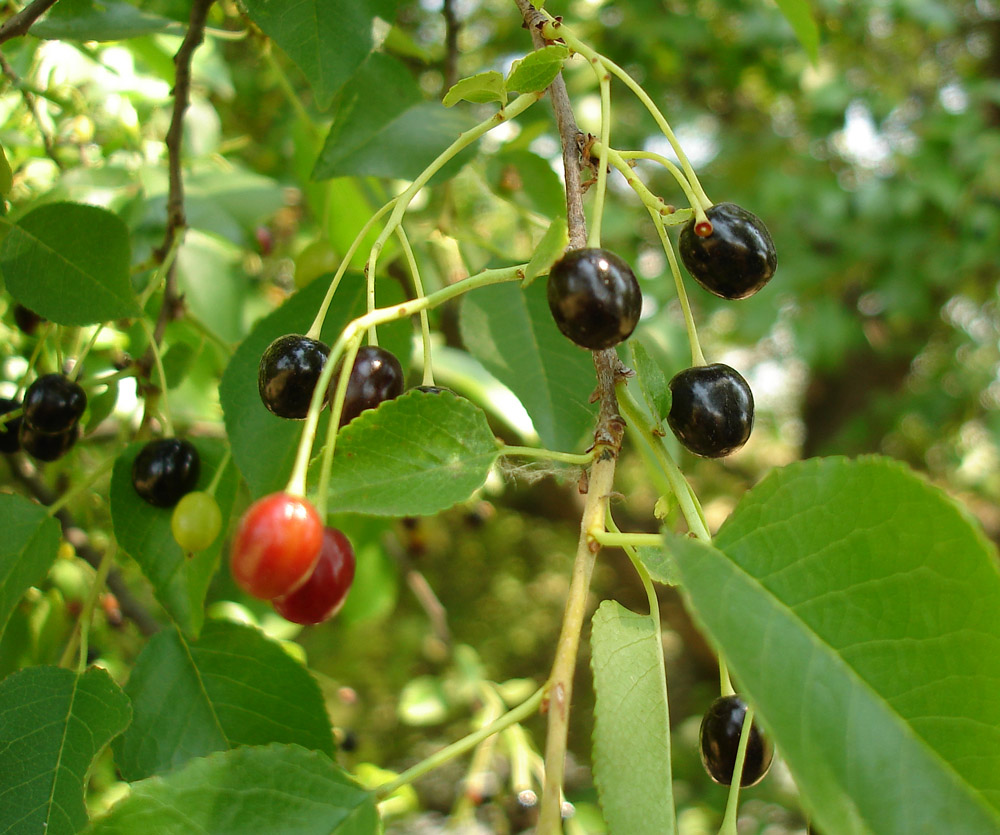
[(320, 597), (276, 545)]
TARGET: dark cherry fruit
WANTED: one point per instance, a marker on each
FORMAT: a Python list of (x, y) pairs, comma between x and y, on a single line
[(376, 376), (594, 298), (53, 404), (288, 372), (711, 411), (165, 470), (720, 739), (320, 597), (432, 389), (736, 259), (9, 442), (47, 446), (26, 319)]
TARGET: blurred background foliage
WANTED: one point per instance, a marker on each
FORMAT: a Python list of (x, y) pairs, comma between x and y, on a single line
[(876, 168)]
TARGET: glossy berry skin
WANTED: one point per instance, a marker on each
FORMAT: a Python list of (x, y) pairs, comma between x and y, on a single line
[(196, 521), (45, 446), (164, 470), (594, 298), (711, 411), (288, 372), (737, 259), (320, 597), (53, 404), (276, 545), (376, 376), (9, 442), (719, 740)]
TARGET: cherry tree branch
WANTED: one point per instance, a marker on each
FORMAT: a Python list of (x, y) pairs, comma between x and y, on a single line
[(452, 25), (599, 480), (20, 23)]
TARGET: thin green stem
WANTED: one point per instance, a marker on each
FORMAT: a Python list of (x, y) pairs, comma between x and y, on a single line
[(467, 743), (11, 415), (418, 289), (729, 821), (336, 410), (697, 357), (82, 355), (628, 544), (617, 539), (725, 682), (677, 174), (317, 326), (579, 459), (297, 482), (688, 502), (168, 424), (604, 80), (33, 360), (80, 488), (217, 477), (555, 30), (105, 381), (650, 200), (511, 111), (160, 276), (81, 628)]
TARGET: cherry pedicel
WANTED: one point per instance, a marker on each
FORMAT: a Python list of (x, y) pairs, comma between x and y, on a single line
[(321, 596), (9, 442), (703, 229), (276, 545)]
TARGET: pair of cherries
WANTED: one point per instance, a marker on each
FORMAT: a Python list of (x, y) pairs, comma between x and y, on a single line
[(49, 425)]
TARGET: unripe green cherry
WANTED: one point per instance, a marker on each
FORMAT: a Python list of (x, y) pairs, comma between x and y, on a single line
[(196, 521)]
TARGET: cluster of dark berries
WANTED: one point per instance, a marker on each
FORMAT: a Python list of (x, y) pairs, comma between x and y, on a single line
[(50, 419), (719, 741), (291, 367), (282, 552)]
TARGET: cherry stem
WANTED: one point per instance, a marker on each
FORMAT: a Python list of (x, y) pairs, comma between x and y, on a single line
[(604, 80), (316, 327), (418, 289), (690, 507), (163, 270), (92, 477), (729, 821), (467, 743), (402, 202), (480, 765), (555, 30), (81, 628), (697, 357), (168, 424), (82, 355), (32, 360), (336, 410), (13, 414), (725, 683), (297, 481), (678, 175), (617, 539), (217, 476), (650, 200), (579, 459)]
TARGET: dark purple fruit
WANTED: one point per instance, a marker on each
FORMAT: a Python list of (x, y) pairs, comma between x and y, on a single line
[(165, 470), (9, 442), (711, 411), (288, 372), (720, 739), (432, 389), (736, 259), (27, 320), (53, 404), (594, 298), (45, 446), (376, 376)]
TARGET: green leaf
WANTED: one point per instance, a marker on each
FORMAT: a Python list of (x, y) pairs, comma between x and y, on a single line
[(660, 564), (263, 444), (511, 332), (179, 581), (549, 250), (278, 788), (652, 381), (537, 69), (211, 276), (857, 607), (28, 548), (233, 686), (107, 20), (481, 88), (177, 361), (6, 175), (527, 179), (412, 456), (401, 148), (327, 41), (70, 264), (798, 13), (631, 722), (53, 723)]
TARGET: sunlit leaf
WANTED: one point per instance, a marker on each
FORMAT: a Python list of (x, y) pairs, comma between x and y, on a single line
[(800, 16), (27, 549), (53, 723), (857, 607), (549, 250), (480, 88), (537, 69)]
